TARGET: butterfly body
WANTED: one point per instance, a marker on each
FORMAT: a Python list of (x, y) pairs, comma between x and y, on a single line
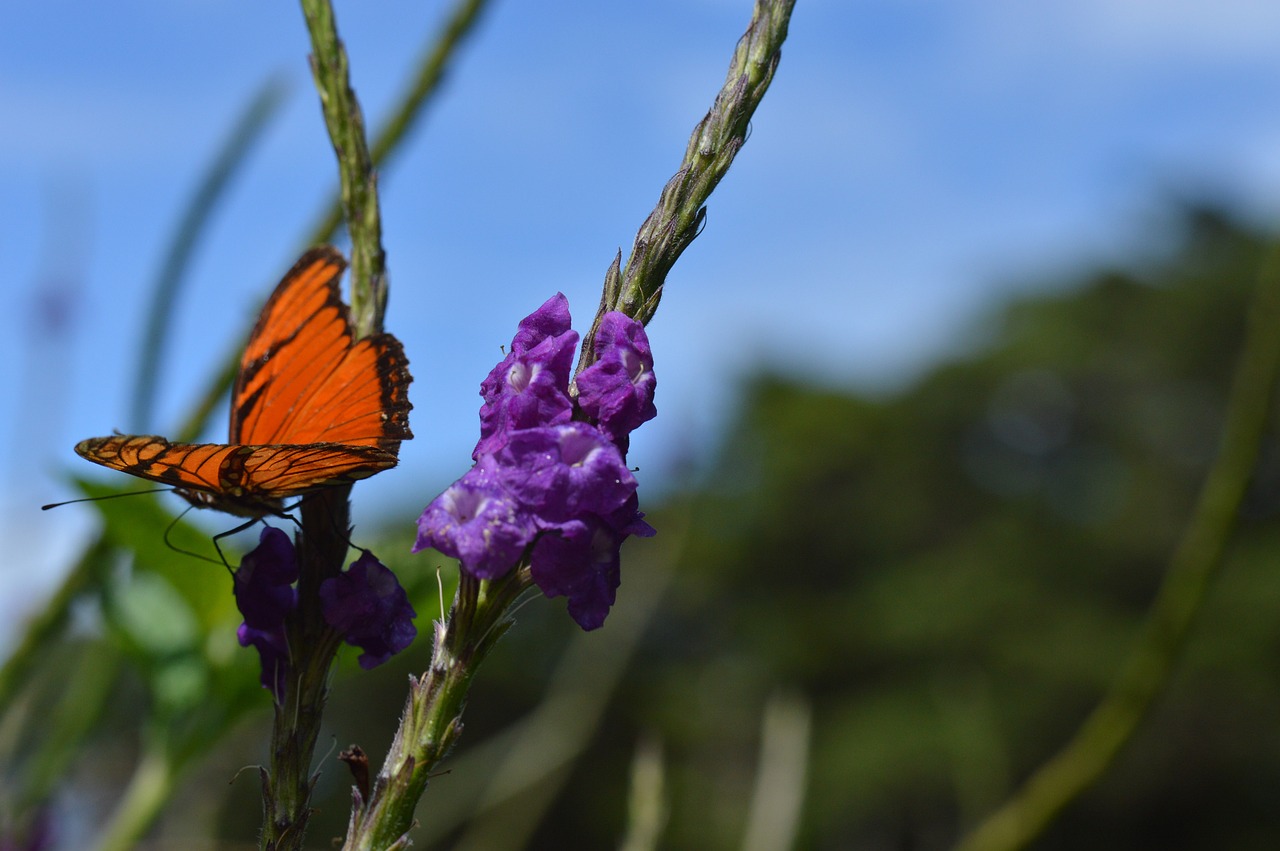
[(311, 407)]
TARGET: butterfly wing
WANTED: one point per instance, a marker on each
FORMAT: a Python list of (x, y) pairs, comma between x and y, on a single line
[(311, 407), (239, 479), (304, 379)]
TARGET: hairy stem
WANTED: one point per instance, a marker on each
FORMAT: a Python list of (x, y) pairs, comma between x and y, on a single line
[(675, 221), (432, 720), (357, 182)]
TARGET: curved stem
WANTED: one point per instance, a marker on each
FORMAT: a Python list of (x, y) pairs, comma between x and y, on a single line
[(48, 621), (1195, 562), (233, 155), (148, 790)]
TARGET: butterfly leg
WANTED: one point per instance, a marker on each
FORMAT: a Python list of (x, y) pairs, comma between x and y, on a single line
[(342, 535), (177, 549), (228, 534)]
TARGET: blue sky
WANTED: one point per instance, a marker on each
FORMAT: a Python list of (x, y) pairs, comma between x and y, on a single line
[(914, 160)]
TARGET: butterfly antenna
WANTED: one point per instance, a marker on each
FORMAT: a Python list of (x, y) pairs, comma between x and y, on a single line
[(99, 498)]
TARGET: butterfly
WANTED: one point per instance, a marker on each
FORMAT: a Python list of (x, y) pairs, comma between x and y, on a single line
[(311, 407)]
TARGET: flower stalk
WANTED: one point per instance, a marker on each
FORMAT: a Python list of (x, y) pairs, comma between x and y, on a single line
[(288, 781), (431, 69), (358, 185), (432, 720), (678, 217), (322, 544)]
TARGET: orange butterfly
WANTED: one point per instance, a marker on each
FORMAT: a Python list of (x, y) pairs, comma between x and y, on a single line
[(311, 407)]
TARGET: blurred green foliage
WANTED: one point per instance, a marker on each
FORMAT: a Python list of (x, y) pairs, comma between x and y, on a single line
[(949, 576), (952, 575)]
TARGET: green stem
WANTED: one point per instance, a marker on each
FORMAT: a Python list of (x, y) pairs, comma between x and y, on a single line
[(678, 217), (288, 781), (49, 620), (322, 543), (148, 790), (63, 731), (435, 61), (358, 184), (1193, 565), (432, 719)]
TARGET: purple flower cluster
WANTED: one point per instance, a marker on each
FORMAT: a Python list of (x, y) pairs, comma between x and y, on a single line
[(550, 476), (366, 604)]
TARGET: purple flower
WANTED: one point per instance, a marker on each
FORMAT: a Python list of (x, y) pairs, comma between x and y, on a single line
[(367, 605), (548, 474), (263, 584), (530, 387), (273, 653), (617, 390), (629, 520), (561, 471), (580, 560), (477, 522)]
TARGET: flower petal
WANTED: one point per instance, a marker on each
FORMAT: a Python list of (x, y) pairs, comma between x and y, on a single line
[(617, 390), (371, 610), (477, 522), (263, 584)]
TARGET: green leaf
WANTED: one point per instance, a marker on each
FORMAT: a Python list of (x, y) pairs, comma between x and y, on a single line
[(153, 618), (164, 545)]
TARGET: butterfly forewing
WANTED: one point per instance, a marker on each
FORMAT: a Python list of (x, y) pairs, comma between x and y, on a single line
[(249, 480)]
